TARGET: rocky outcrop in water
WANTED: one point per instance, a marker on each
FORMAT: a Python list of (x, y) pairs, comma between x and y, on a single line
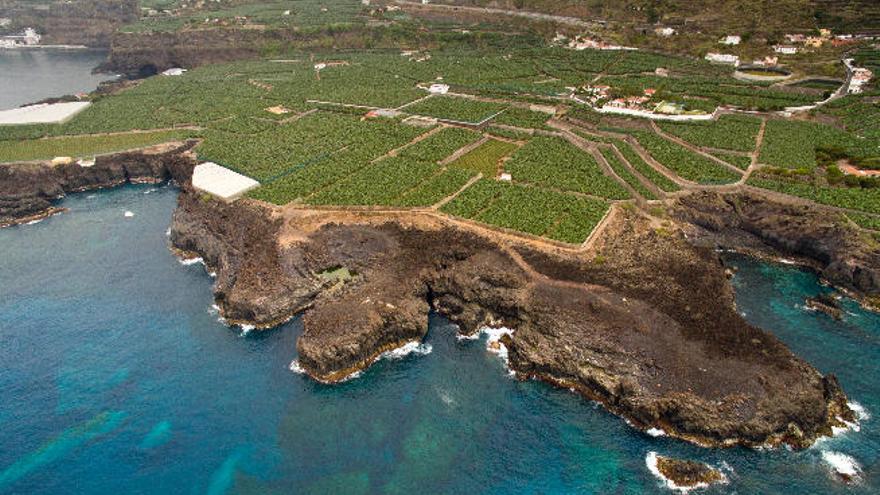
[(29, 191), (645, 324), (683, 474), (757, 222)]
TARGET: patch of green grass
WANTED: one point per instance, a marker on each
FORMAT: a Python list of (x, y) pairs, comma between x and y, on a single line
[(84, 146)]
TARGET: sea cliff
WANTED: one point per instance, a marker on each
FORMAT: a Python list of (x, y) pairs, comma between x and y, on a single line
[(644, 322), (29, 191)]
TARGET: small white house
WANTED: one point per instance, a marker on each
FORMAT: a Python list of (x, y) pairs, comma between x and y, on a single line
[(438, 89), (665, 31), (320, 66), (731, 40), (175, 71), (785, 50), (506, 177)]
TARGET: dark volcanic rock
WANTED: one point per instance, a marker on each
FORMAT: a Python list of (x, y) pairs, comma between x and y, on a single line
[(826, 304), (762, 223), (649, 330), (28, 190), (688, 474)]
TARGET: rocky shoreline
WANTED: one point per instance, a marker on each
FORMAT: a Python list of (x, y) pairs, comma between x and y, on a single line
[(644, 323), (28, 191)]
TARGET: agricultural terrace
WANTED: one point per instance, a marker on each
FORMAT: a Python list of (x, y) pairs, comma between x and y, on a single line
[(506, 147), (301, 14)]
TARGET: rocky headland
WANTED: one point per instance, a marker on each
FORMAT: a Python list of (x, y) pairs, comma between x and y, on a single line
[(643, 322)]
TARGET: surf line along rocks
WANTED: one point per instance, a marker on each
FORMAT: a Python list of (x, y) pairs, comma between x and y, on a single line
[(648, 329)]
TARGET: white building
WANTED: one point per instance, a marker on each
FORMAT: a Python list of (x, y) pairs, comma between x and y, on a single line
[(665, 31), (175, 71), (221, 182), (723, 58), (438, 89), (785, 50), (731, 40), (5, 21)]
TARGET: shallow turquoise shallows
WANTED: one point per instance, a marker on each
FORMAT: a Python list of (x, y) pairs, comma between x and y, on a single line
[(116, 377)]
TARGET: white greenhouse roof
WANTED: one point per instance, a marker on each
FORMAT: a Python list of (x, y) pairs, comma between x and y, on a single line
[(44, 113), (221, 182)]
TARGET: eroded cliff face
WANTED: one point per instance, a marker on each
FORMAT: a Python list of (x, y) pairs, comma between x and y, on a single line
[(29, 190), (756, 222), (644, 324)]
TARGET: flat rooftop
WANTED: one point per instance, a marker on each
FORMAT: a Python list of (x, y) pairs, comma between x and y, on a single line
[(221, 182), (44, 113)]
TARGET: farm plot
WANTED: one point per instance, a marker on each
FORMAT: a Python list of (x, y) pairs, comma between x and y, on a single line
[(742, 162), (555, 163), (286, 148), (533, 210), (412, 178), (520, 117), (729, 132), (793, 144), (84, 146), (685, 163), (620, 169), (456, 109), (861, 199), (485, 158), (642, 167)]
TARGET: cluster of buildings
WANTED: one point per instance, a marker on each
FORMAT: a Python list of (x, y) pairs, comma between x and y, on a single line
[(583, 43), (29, 38), (600, 96), (860, 79)]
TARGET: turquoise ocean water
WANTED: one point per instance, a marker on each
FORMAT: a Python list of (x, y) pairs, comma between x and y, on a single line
[(116, 377)]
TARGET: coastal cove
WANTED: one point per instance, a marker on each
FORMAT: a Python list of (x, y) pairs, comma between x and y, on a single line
[(123, 379), (31, 75)]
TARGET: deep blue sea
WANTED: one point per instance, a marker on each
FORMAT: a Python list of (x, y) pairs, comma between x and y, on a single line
[(117, 377)]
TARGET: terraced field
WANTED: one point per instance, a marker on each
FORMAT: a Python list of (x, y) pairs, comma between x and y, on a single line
[(308, 135)]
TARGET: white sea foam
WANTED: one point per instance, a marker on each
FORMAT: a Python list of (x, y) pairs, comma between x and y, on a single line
[(493, 342), (296, 368), (445, 397), (192, 261), (128, 214), (655, 432), (861, 413), (34, 222), (401, 352), (786, 261), (168, 232), (651, 462), (246, 329), (842, 464)]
